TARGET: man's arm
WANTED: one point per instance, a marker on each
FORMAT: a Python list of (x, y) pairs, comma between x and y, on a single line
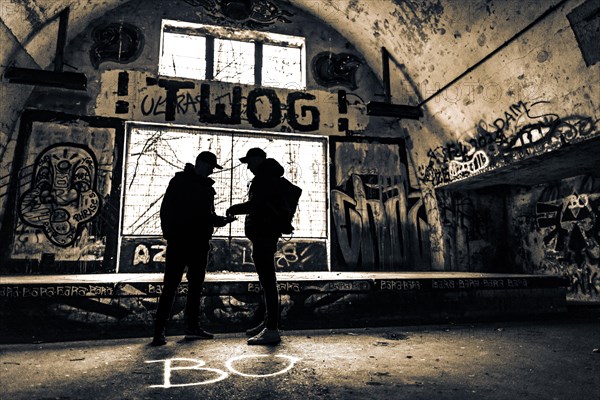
[(263, 194), (241, 208), (167, 211)]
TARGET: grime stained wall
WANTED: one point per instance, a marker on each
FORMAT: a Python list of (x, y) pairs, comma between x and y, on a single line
[(533, 97), (536, 96), (556, 227), (120, 58)]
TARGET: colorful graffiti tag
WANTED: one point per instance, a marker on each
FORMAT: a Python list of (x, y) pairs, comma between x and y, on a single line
[(567, 222), (378, 219), (520, 133)]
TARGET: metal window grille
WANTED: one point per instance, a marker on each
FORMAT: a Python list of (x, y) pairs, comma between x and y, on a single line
[(155, 153)]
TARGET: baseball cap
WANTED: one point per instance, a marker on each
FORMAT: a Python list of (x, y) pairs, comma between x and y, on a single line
[(209, 158), (254, 152)]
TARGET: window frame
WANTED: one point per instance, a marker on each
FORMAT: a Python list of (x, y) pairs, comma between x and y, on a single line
[(227, 134), (211, 32)]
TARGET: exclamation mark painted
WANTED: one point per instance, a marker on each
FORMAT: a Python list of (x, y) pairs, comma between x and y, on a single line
[(342, 109), (122, 106)]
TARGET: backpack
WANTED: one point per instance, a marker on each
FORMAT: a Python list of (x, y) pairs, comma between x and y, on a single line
[(290, 196)]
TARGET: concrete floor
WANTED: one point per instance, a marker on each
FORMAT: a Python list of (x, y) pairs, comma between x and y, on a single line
[(544, 359)]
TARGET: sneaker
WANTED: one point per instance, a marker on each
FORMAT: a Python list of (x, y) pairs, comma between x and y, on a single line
[(266, 336), (159, 338), (256, 330), (158, 341), (195, 333)]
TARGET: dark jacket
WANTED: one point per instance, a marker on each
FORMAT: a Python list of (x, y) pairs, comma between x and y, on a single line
[(262, 220), (188, 207)]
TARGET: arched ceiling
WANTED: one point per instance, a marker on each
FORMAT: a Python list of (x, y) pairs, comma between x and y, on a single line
[(430, 41)]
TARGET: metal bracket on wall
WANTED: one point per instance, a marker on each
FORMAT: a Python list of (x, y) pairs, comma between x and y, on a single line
[(386, 108), (56, 78)]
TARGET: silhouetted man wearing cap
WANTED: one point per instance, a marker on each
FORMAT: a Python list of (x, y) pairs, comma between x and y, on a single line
[(188, 219), (263, 228)]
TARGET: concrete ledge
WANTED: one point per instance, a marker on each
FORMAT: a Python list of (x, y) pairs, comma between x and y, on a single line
[(150, 284), (89, 305)]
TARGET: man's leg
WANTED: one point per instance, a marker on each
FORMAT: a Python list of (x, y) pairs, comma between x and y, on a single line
[(197, 261), (263, 254), (175, 265)]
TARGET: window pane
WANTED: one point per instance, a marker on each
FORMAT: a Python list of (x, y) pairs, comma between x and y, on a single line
[(282, 67), (234, 61), (304, 161), (183, 56), (155, 154)]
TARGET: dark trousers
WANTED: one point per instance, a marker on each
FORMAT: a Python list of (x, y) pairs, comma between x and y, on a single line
[(194, 255), (263, 255)]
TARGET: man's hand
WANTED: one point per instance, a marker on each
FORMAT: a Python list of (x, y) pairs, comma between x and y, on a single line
[(222, 221), (233, 210)]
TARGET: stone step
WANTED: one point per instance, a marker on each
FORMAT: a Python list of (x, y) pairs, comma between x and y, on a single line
[(112, 303)]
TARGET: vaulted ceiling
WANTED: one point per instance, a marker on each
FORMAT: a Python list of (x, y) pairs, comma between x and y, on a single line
[(430, 43)]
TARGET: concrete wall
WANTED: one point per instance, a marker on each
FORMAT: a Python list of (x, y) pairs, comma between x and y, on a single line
[(537, 92), (76, 309), (557, 231), (520, 121), (123, 85)]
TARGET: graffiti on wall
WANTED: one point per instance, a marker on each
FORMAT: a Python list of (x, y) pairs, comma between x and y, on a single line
[(331, 69), (142, 255), (524, 130), (569, 227), (379, 220), (572, 226), (118, 42), (66, 180), (129, 306), (63, 195), (142, 97), (62, 212), (248, 13)]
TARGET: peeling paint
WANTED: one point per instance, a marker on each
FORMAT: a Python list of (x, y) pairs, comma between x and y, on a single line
[(481, 40)]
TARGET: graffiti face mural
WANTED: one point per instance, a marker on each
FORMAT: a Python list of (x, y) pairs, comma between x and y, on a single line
[(63, 193)]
